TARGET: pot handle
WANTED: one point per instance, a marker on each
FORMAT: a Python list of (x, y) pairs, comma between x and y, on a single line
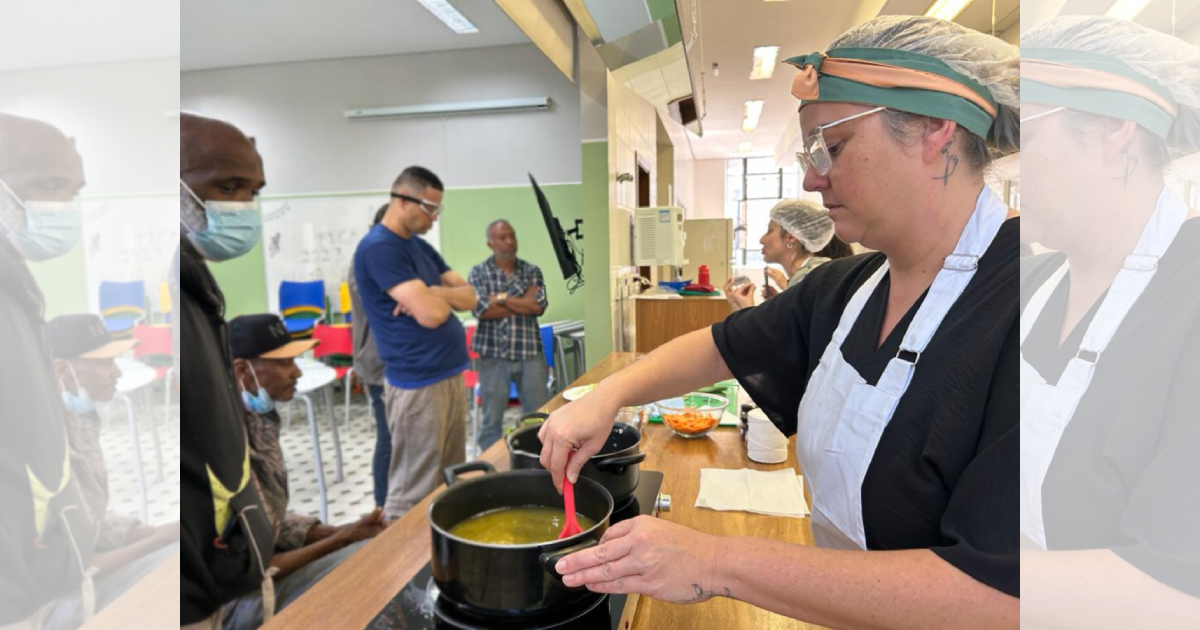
[(452, 473), (617, 465), (551, 558)]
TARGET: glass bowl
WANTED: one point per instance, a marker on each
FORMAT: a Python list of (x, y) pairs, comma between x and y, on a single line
[(693, 415)]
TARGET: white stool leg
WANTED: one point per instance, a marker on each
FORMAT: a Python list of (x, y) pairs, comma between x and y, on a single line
[(158, 458), (347, 383), (167, 397), (320, 468), (337, 442), (137, 456)]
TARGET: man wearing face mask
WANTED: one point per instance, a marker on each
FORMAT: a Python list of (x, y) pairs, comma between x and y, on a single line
[(228, 539), (45, 538), (126, 549), (264, 359)]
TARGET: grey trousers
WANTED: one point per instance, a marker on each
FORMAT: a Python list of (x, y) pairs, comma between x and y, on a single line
[(429, 433), (247, 611)]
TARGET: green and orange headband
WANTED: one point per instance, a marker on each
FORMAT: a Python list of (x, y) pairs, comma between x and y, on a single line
[(896, 79), (1096, 84)]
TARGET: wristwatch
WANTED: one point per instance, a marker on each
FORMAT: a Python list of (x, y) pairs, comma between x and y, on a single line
[(501, 298)]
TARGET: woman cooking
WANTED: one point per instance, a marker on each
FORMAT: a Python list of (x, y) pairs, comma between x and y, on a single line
[(1110, 346), (797, 235), (897, 371)]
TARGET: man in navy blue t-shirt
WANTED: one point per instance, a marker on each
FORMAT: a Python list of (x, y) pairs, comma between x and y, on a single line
[(409, 295)]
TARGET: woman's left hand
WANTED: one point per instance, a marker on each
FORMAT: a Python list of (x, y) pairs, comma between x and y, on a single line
[(651, 557)]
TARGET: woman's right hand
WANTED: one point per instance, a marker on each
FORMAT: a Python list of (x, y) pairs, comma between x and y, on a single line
[(582, 428), (741, 297)]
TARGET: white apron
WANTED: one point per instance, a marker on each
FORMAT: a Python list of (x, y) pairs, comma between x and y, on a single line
[(841, 417), (1046, 409)]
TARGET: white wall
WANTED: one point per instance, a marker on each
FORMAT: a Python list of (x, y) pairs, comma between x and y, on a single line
[(709, 187), (116, 114), (295, 112)]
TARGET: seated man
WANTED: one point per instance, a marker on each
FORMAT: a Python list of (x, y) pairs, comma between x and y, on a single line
[(126, 549), (264, 363)]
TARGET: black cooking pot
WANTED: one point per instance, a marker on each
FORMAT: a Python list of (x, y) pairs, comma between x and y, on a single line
[(615, 466), (508, 580)]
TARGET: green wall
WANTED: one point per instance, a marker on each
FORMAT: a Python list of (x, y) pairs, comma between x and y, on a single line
[(243, 280), (597, 322), (62, 283), (463, 245)]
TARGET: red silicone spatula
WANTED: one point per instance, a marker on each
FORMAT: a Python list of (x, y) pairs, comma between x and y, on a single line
[(571, 523)]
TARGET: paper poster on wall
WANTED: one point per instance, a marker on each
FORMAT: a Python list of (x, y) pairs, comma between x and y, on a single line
[(313, 237), (128, 239)]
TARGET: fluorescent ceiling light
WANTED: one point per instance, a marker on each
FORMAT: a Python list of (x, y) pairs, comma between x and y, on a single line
[(753, 113), (765, 58), (1127, 9), (540, 103), (744, 147), (450, 16), (947, 9)]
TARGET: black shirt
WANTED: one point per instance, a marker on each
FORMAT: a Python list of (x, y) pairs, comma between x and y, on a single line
[(1126, 474), (213, 442), (945, 474)]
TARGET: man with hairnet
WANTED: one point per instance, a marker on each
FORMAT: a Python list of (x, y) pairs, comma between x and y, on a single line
[(799, 233)]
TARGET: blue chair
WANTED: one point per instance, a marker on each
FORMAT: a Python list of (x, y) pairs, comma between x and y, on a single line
[(548, 348), (123, 306), (302, 305)]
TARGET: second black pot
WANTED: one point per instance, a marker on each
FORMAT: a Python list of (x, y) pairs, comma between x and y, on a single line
[(616, 466)]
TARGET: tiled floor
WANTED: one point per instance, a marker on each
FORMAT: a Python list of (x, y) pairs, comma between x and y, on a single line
[(355, 495), (349, 499), (116, 441)]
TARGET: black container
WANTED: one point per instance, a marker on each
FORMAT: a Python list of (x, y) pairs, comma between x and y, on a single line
[(615, 467), (508, 580)]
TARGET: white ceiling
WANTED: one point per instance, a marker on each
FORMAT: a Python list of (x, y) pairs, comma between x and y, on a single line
[(226, 33), (731, 29), (75, 32), (1157, 15)]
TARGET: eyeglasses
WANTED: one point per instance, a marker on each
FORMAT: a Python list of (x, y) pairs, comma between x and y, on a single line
[(816, 153), (1045, 113), (430, 208)]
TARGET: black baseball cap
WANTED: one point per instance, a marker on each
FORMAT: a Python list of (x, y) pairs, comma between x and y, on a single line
[(84, 336), (264, 337)]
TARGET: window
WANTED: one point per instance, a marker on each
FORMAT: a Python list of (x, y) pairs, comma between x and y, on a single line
[(752, 187)]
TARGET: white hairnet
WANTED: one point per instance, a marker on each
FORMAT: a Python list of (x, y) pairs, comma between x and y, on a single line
[(1167, 60), (989, 61), (808, 221)]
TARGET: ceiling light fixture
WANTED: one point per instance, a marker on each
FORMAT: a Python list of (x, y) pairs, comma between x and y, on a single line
[(752, 114), (765, 58), (449, 16), (744, 147), (947, 9), (1127, 9)]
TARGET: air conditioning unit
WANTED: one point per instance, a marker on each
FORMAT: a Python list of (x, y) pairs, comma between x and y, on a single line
[(658, 237)]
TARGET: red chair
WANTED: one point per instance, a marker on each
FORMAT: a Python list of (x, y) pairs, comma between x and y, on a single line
[(337, 341), (155, 342)]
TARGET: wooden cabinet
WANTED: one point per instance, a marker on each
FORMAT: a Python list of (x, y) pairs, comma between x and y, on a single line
[(661, 320)]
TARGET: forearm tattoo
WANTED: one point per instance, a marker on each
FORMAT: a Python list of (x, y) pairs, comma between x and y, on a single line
[(703, 595)]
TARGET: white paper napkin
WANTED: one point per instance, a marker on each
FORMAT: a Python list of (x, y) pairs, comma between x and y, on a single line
[(777, 493)]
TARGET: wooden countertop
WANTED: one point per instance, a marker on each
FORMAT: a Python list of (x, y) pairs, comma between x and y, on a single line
[(351, 595), (151, 603)]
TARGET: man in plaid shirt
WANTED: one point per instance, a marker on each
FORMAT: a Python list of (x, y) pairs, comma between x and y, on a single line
[(508, 339)]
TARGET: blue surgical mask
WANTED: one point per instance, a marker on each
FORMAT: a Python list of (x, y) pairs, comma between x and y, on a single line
[(80, 403), (233, 227), (51, 227), (260, 403)]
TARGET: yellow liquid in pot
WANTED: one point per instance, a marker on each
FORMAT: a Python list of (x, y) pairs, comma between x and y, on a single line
[(516, 526)]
